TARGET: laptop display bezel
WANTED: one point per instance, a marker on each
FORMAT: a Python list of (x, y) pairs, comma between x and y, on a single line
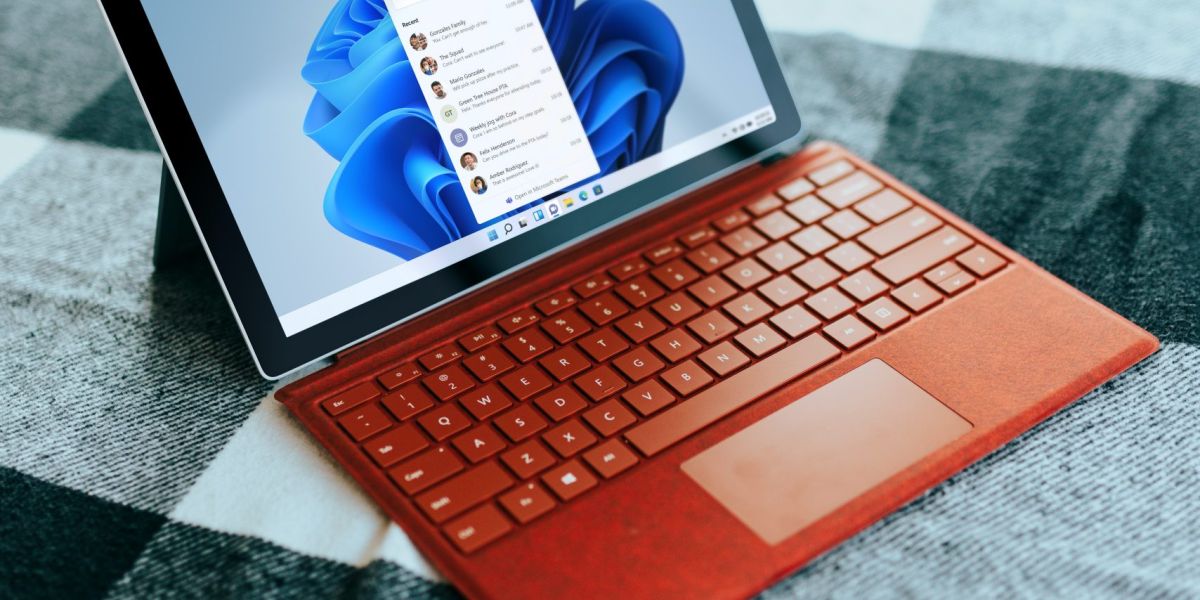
[(277, 354)]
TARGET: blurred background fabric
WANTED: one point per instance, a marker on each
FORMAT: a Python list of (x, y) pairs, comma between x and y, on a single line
[(141, 455)]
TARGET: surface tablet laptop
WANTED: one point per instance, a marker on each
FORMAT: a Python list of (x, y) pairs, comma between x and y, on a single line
[(590, 321)]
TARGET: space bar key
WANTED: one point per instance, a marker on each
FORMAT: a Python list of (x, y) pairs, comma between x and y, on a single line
[(730, 394)]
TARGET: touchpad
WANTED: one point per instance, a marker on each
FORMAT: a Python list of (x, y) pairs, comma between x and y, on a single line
[(805, 460)]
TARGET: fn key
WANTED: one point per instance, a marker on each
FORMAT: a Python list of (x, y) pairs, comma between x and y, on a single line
[(478, 528)]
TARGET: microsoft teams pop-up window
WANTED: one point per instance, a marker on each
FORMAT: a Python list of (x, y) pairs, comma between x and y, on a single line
[(497, 97)]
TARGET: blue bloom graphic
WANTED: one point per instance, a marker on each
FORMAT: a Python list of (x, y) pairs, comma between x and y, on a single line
[(395, 187)]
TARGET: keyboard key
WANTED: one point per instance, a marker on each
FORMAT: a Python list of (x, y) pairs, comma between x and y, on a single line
[(764, 205), (863, 285), (442, 356), (600, 382), (609, 418), (555, 303), (780, 256), (674, 345), (570, 438), (425, 470), (444, 421), (592, 285), (480, 339), (408, 401), (611, 458), (527, 502), (760, 340), (747, 273), (698, 237), (603, 345), (795, 322), (561, 403), (782, 291), (528, 345), (922, 254), (744, 241), (829, 303), (849, 257), (916, 295), (712, 326), (831, 172), (603, 309), (663, 253), (519, 320), (525, 382), (520, 422), (686, 377), (712, 290), (629, 269), (846, 224), (479, 443), (640, 291), (675, 274), (748, 308), (796, 189), (956, 283), (710, 257), (638, 364), (730, 394), (640, 326), (883, 206), (528, 459), (942, 271), (884, 314), (478, 528), (395, 445), (565, 363), (816, 273), (648, 398), (400, 376), (723, 359), (849, 190), (677, 308), (569, 480), (485, 401), (449, 382), (981, 261), (813, 239), (350, 398), (809, 210), (566, 326), (849, 332), (886, 238), (776, 226), (464, 491), (731, 220), (489, 363), (365, 422)]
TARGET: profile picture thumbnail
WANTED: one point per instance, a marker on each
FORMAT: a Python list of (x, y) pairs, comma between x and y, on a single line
[(418, 41), (468, 161), (478, 185), (429, 66), (438, 90)]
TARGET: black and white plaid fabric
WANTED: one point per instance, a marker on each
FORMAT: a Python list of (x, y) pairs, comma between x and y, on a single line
[(141, 455)]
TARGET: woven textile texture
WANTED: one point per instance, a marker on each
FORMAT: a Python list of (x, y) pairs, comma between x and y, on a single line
[(142, 456)]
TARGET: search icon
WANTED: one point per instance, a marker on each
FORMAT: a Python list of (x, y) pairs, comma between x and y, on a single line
[(507, 228)]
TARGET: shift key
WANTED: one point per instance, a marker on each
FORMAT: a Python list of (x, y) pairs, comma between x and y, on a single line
[(923, 254), (464, 491)]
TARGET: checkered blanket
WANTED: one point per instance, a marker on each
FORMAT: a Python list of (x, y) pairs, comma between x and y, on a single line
[(141, 455)]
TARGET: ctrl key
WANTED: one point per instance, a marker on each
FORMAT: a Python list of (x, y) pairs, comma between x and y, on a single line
[(478, 528)]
